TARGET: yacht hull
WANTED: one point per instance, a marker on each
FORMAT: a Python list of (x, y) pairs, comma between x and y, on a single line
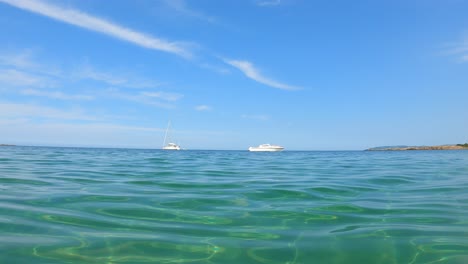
[(266, 148)]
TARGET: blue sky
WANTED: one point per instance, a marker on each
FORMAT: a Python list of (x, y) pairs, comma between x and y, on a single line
[(308, 75)]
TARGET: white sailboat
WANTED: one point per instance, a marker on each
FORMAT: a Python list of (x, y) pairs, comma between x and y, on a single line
[(169, 145)]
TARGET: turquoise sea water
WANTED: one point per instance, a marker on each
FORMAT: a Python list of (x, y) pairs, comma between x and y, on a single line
[(77, 205)]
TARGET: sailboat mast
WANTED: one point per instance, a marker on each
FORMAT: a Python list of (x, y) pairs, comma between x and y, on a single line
[(165, 135)]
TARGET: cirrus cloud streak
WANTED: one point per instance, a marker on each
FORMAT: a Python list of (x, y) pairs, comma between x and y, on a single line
[(251, 72), (83, 20)]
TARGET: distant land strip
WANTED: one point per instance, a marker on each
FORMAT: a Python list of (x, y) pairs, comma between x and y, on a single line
[(6, 145), (442, 147)]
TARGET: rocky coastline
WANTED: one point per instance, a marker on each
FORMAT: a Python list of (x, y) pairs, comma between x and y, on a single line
[(442, 147)]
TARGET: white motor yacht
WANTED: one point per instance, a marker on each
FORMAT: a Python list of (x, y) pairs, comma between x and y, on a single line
[(266, 147)]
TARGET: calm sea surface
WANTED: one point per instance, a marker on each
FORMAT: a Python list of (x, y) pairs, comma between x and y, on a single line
[(78, 205)]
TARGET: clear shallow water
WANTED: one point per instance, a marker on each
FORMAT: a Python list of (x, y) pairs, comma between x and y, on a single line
[(76, 205)]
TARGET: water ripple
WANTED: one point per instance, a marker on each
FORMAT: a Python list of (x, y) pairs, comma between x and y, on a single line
[(77, 205)]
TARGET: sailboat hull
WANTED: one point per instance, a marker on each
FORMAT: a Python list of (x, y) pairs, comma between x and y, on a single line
[(171, 147)]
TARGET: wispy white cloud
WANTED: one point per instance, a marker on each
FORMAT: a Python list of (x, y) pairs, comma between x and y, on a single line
[(215, 68), (156, 99), (268, 2), (171, 97), (113, 78), (19, 69), (87, 72), (203, 108), (30, 130), (13, 77), (110, 126), (458, 49), (20, 110), (462, 49), (257, 117), (18, 60), (182, 7), (250, 71), (56, 95), (24, 61), (63, 133), (93, 23)]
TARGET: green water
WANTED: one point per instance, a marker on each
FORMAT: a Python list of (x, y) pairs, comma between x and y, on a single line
[(76, 205)]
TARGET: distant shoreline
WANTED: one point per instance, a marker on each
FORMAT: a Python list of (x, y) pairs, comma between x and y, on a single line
[(6, 145), (400, 148)]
